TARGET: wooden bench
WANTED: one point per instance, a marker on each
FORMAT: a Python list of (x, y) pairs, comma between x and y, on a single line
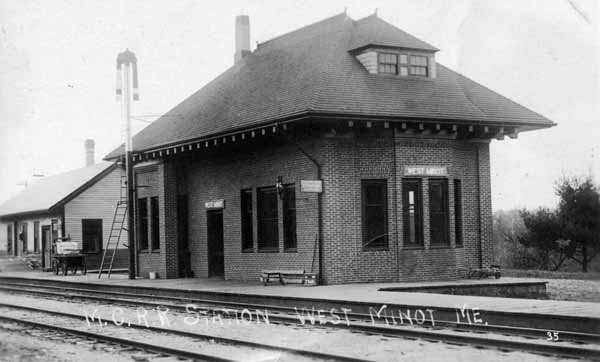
[(479, 273), (282, 275)]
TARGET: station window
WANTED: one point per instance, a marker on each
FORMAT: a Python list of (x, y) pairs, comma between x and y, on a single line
[(418, 65), (142, 208), (9, 238), (155, 225), (36, 236), (412, 210), (289, 217), (247, 230), (388, 63), (267, 219), (374, 214), (458, 229), (438, 212)]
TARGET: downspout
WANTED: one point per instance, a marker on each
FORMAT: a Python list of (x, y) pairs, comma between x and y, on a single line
[(319, 204), (396, 205), (479, 206)]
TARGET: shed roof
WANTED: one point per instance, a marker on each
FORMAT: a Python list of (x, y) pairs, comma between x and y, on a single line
[(53, 191), (313, 70)]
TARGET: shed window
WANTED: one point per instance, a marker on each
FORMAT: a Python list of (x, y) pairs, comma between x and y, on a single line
[(388, 63), (438, 212), (143, 223), (247, 230), (418, 65), (155, 228), (54, 224), (268, 229), (24, 237), (289, 217), (458, 229), (91, 232), (412, 210), (36, 236), (374, 214), (9, 238)]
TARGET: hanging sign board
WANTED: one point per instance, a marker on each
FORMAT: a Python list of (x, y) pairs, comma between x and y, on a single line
[(425, 171), (311, 186), (215, 204)]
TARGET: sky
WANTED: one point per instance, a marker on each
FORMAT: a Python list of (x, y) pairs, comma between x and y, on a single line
[(57, 73)]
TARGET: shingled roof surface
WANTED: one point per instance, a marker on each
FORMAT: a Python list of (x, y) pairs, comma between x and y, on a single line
[(53, 190), (312, 70)]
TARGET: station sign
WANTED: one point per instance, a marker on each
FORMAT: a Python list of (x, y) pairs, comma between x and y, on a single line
[(425, 170), (311, 186), (215, 204)]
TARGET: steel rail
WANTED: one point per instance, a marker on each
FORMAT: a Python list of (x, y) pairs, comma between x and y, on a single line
[(574, 324), (230, 341), (412, 332), (121, 341), (459, 326)]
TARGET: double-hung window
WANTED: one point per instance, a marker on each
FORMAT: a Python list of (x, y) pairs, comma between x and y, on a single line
[(388, 63), (412, 211), (155, 228), (438, 212), (142, 211), (247, 230), (374, 214), (289, 217), (418, 65), (267, 219), (458, 229)]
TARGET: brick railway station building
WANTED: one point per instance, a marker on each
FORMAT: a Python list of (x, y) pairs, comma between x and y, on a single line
[(342, 148)]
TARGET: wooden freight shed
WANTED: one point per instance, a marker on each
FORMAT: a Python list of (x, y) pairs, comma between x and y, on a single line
[(342, 148), (78, 205)]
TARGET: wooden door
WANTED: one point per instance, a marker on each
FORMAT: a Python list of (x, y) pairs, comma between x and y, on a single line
[(214, 230), (46, 246)]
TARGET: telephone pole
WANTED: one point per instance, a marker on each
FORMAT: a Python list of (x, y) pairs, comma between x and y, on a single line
[(126, 80)]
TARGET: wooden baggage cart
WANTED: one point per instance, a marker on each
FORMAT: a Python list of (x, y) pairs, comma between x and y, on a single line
[(67, 257)]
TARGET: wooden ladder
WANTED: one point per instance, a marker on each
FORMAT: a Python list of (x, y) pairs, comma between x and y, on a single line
[(116, 230)]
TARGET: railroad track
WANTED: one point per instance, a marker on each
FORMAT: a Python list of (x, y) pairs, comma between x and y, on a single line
[(75, 325), (579, 345)]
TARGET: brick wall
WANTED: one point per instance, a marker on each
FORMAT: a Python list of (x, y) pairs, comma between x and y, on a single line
[(364, 154), (346, 159), (223, 178)]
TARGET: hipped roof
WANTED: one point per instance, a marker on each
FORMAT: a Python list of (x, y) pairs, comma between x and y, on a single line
[(313, 70)]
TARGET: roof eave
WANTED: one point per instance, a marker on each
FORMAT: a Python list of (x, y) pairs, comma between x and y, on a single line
[(356, 49), (521, 124)]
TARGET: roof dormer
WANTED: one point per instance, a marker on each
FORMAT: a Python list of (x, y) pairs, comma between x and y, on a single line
[(384, 49), (398, 62)]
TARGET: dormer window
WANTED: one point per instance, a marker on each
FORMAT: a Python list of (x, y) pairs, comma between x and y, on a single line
[(402, 64), (418, 65), (398, 62), (388, 63)]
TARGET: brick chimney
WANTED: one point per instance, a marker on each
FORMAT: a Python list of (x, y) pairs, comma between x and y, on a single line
[(89, 152), (242, 37)]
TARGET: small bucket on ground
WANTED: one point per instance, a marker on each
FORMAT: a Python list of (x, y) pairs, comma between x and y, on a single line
[(152, 275), (310, 279)]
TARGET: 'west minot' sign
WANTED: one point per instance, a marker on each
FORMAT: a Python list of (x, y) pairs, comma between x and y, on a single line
[(425, 170), (215, 204)]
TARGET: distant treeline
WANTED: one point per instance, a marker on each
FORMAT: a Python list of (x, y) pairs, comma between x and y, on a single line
[(566, 238)]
